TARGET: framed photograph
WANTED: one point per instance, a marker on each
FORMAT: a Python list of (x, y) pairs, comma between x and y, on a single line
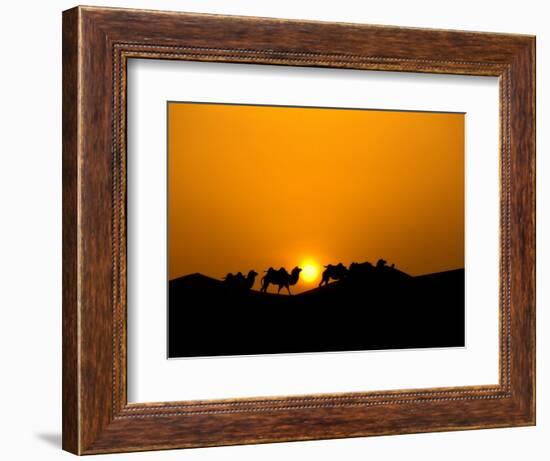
[(281, 230), (264, 204)]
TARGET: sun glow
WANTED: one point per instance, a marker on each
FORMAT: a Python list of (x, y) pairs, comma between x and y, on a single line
[(310, 271)]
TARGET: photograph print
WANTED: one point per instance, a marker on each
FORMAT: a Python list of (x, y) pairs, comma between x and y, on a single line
[(313, 229)]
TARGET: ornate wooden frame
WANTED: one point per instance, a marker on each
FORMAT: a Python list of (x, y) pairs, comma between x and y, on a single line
[(97, 43)]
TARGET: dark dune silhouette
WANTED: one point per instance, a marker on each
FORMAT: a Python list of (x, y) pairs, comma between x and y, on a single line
[(370, 309)]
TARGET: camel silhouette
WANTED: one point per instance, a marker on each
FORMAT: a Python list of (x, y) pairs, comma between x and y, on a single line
[(360, 269), (334, 272), (281, 278), (366, 269), (239, 281), (381, 263)]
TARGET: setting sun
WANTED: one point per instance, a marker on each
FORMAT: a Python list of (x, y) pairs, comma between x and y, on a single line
[(310, 271)]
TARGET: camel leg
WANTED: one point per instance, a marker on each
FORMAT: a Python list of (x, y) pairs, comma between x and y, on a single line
[(288, 288), (279, 290)]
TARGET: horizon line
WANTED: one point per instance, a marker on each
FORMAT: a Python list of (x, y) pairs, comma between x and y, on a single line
[(413, 276)]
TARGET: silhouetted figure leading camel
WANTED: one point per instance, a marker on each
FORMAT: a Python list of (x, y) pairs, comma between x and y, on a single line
[(239, 282), (281, 278), (334, 272)]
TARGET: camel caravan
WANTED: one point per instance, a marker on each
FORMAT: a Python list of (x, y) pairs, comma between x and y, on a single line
[(280, 278), (283, 279), (355, 271)]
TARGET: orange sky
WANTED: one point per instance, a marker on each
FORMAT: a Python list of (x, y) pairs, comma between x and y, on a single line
[(251, 187)]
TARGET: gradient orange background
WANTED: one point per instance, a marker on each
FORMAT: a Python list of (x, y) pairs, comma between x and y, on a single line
[(252, 187)]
